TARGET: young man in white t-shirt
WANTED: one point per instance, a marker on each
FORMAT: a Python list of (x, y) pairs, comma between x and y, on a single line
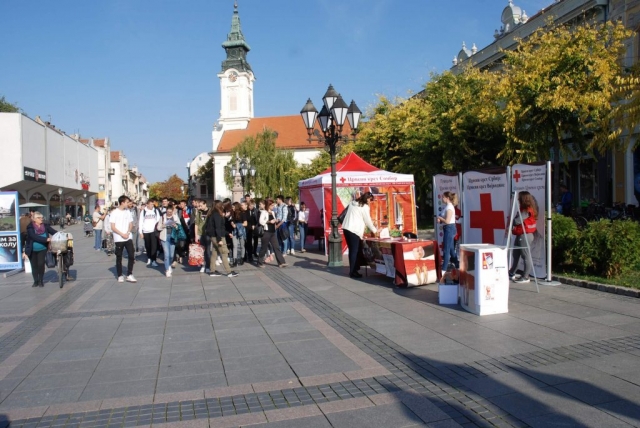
[(121, 224)]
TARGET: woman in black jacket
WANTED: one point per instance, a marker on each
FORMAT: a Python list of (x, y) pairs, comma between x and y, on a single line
[(38, 238), (215, 229)]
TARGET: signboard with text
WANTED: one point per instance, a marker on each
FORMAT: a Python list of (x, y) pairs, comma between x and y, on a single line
[(10, 245), (31, 174)]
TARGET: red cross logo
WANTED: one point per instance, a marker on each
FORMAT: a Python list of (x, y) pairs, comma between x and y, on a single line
[(517, 176), (342, 180), (487, 219)]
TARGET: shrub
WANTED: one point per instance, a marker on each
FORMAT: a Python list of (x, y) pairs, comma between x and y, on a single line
[(564, 239), (607, 248)]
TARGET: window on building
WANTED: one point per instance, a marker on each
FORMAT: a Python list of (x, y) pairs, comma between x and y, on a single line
[(203, 189)]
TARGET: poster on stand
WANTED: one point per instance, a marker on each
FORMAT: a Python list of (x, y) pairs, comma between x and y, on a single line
[(533, 179), (10, 245), (446, 183), (486, 207)]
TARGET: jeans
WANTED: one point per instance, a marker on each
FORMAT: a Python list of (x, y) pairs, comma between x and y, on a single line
[(150, 244), (135, 236), (353, 243), (522, 252), (205, 241), (303, 234), (222, 250), (238, 247), (120, 247), (292, 236), (37, 260), (169, 248), (269, 238), (449, 251), (97, 243)]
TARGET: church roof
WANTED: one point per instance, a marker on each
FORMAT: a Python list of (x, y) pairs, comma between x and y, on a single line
[(236, 46), (290, 130)]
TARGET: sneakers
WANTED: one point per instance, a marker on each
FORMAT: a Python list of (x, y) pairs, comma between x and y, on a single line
[(292, 252), (218, 261), (303, 251), (121, 278), (154, 264), (513, 276), (215, 273), (148, 262), (260, 265), (283, 265), (202, 269), (232, 274), (169, 273), (521, 280), (207, 270), (131, 278)]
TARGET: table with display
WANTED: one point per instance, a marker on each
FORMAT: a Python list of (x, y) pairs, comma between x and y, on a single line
[(407, 261)]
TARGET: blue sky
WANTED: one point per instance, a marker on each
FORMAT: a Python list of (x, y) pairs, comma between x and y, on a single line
[(143, 72)]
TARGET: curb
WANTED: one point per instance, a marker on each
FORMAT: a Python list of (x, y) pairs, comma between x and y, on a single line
[(614, 289)]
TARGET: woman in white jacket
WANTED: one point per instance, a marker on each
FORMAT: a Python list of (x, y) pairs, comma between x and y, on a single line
[(168, 227), (355, 220)]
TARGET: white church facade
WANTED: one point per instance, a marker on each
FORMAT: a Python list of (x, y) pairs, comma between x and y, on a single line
[(237, 121)]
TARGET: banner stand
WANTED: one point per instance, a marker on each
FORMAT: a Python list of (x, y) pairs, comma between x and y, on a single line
[(549, 279)]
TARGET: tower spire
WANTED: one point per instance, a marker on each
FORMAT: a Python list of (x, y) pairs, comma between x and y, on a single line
[(236, 46)]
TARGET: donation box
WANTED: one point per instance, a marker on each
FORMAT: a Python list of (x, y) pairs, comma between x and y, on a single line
[(484, 279)]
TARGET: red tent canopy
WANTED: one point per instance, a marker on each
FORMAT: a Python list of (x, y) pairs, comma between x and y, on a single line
[(352, 162)]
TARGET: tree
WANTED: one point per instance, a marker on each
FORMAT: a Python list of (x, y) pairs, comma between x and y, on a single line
[(275, 169), (7, 107), (559, 93), (204, 174), (171, 188), (323, 161), (453, 125)]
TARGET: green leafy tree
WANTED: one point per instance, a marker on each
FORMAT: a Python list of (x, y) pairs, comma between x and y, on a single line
[(7, 107), (275, 168), (560, 93), (204, 174)]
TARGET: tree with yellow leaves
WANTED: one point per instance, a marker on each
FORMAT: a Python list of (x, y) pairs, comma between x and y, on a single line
[(559, 93)]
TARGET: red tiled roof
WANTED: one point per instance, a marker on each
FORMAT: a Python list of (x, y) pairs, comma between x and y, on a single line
[(291, 133), (115, 156), (98, 143), (84, 141)]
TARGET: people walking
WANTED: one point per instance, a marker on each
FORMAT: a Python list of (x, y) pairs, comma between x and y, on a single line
[(251, 246), (356, 219), (449, 230), (38, 238), (280, 212), (240, 223), (135, 216), (269, 221), (121, 225), (97, 223), (217, 233), (147, 227), (201, 236), (168, 226)]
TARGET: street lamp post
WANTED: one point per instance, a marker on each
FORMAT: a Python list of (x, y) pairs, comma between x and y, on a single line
[(331, 120), (61, 210)]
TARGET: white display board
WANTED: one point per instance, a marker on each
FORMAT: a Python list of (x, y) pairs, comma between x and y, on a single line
[(484, 279)]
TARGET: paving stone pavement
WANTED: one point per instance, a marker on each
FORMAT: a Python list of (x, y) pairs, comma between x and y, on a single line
[(307, 346)]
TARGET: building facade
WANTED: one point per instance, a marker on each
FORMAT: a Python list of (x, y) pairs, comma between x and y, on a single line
[(54, 172), (614, 176), (237, 121)]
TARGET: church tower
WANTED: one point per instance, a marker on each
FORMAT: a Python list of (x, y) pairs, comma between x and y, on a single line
[(236, 83)]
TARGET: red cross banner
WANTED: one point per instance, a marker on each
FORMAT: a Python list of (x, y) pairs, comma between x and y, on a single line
[(446, 183), (533, 179), (486, 207)]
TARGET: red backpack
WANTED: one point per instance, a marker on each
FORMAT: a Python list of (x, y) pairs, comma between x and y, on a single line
[(530, 225)]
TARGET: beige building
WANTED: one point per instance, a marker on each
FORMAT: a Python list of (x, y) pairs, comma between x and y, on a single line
[(614, 177)]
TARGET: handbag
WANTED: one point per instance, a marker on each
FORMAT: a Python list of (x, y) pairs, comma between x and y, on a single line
[(342, 215), (50, 260), (259, 231), (196, 255), (284, 232)]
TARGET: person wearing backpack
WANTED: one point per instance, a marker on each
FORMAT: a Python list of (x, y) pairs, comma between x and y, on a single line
[(149, 218), (292, 223)]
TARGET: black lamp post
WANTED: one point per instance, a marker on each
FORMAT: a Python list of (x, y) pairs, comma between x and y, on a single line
[(331, 120)]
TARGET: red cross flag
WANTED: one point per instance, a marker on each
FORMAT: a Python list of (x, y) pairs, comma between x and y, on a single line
[(486, 207)]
